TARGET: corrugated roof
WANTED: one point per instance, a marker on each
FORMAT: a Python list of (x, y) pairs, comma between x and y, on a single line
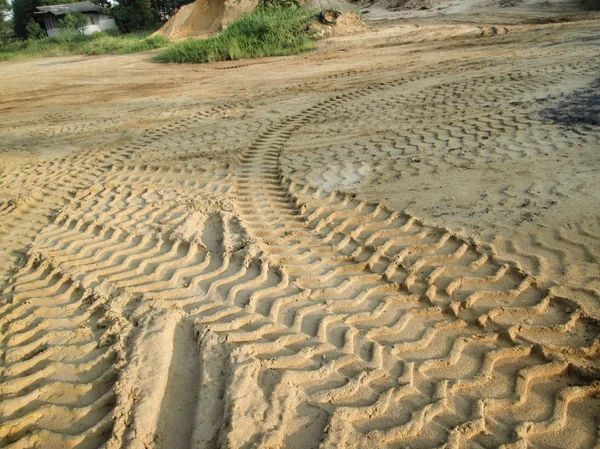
[(59, 10)]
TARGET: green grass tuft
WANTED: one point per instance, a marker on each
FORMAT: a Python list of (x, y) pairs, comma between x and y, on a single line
[(74, 43), (264, 32)]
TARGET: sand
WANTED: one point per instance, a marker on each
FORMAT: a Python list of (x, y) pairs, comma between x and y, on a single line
[(204, 17), (393, 241), (347, 24)]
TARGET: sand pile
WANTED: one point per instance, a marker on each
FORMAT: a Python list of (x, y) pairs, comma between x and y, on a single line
[(204, 17), (346, 25), (336, 5)]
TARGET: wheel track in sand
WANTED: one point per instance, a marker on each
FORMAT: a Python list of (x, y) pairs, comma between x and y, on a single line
[(382, 252), (23, 218), (492, 130), (60, 340), (118, 242), (347, 322)]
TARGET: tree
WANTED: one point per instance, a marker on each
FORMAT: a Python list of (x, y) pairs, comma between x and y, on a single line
[(4, 9), (6, 26), (22, 13), (7, 34), (167, 8), (134, 15)]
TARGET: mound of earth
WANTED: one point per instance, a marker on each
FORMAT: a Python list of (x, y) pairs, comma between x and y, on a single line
[(346, 25), (337, 5), (204, 17)]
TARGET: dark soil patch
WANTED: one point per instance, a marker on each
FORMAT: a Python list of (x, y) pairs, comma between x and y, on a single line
[(581, 107)]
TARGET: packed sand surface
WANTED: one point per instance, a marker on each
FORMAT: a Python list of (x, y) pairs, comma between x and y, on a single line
[(390, 242)]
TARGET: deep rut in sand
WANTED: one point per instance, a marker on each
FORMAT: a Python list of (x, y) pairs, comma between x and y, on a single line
[(175, 307)]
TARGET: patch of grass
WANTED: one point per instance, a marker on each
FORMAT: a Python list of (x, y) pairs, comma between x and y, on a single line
[(74, 43), (127, 43), (264, 32)]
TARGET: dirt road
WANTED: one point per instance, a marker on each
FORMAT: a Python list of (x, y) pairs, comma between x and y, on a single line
[(393, 241)]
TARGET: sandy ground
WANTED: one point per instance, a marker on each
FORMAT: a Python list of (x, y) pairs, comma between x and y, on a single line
[(393, 241)]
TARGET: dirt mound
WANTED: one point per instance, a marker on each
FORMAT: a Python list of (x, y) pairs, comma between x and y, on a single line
[(204, 17), (337, 5), (346, 25)]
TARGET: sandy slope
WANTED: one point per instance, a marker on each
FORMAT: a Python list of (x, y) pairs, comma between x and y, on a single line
[(381, 244)]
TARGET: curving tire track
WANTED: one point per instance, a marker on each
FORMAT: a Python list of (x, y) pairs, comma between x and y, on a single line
[(339, 248)]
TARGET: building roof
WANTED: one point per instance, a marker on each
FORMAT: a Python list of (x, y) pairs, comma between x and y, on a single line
[(59, 10)]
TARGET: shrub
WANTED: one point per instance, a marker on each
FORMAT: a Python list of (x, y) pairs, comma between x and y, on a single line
[(34, 30), (73, 22), (7, 33), (264, 32)]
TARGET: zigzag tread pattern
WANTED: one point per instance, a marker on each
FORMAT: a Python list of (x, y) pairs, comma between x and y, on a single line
[(24, 216), (472, 297)]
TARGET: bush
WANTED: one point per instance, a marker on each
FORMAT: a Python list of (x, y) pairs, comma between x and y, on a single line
[(34, 30), (73, 22), (264, 32)]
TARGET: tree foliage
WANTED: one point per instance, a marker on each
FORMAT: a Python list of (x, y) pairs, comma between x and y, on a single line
[(34, 30), (4, 9), (130, 15), (7, 34), (134, 15), (167, 8), (73, 22), (22, 13)]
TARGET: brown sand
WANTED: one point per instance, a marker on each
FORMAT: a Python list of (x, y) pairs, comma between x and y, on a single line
[(347, 24), (204, 17), (393, 241)]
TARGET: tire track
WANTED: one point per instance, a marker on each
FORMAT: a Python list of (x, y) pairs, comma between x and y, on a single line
[(171, 306), (61, 349), (303, 227), (25, 216)]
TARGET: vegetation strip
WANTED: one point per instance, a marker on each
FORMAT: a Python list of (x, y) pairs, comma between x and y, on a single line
[(73, 44), (264, 32)]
